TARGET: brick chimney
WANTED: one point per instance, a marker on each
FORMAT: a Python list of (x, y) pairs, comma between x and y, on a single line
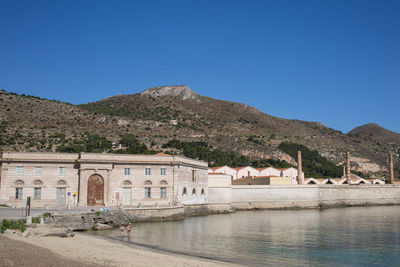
[(299, 168), (348, 167), (391, 170)]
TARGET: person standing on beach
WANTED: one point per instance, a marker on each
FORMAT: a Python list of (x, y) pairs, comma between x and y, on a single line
[(128, 229), (122, 230)]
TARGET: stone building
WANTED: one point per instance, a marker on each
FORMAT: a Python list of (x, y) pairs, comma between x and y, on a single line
[(90, 179)]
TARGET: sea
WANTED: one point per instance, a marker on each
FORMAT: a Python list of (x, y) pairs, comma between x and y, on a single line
[(353, 236)]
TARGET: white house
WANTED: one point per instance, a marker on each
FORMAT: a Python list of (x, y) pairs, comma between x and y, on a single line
[(290, 172), (223, 169), (269, 171), (246, 172)]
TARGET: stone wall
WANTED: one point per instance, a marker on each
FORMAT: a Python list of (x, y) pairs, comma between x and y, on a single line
[(313, 196), (89, 220)]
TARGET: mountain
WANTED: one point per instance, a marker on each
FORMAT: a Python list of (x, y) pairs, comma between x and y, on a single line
[(378, 134), (160, 114)]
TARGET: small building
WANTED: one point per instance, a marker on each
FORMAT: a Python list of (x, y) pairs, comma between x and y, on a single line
[(290, 172), (269, 171), (223, 169), (245, 171)]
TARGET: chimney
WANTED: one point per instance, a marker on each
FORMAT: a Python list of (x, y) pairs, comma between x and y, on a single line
[(299, 168), (348, 167), (391, 171)]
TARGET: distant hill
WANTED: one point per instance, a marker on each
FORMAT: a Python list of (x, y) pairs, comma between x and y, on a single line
[(377, 133), (158, 115)]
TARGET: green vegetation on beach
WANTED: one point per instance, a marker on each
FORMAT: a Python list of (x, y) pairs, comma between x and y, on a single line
[(13, 225)]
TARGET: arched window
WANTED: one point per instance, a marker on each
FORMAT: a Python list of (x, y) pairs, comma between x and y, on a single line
[(147, 189), (19, 189), (202, 191), (37, 183), (19, 183), (184, 191), (61, 183), (194, 191), (127, 183)]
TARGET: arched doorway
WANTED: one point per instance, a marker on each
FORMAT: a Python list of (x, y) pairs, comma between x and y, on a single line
[(95, 191)]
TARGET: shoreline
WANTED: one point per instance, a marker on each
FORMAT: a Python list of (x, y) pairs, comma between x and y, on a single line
[(158, 249), (91, 249)]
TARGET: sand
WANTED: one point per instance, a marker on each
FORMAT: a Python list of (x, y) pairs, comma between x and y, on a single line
[(18, 253), (89, 249)]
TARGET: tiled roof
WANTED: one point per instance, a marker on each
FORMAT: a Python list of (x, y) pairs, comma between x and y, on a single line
[(215, 168), (239, 168), (162, 154)]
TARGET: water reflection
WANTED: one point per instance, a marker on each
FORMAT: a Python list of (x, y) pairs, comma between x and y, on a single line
[(332, 237)]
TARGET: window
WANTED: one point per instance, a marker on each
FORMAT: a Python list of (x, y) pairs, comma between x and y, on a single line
[(148, 171), (61, 171), (163, 192), (194, 191), (202, 191), (127, 171), (193, 175), (20, 170), (37, 191), (163, 171), (18, 193), (38, 170), (61, 183), (147, 192), (184, 192)]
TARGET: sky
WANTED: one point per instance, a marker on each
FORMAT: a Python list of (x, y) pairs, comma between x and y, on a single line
[(332, 61)]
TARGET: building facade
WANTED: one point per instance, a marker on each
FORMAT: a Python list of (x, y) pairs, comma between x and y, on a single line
[(89, 179)]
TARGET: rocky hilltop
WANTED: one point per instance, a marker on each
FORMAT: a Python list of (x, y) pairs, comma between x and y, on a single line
[(160, 114), (180, 91)]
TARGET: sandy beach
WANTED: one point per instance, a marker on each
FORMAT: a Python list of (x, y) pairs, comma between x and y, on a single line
[(93, 250)]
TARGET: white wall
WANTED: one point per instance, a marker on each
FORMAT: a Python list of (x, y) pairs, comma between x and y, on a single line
[(219, 189), (264, 196)]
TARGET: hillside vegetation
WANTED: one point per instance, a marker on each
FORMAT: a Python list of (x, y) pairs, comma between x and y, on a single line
[(146, 122)]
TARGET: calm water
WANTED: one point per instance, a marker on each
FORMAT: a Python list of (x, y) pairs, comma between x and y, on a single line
[(359, 236)]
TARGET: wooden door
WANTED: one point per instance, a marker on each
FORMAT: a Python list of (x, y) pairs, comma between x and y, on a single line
[(95, 191)]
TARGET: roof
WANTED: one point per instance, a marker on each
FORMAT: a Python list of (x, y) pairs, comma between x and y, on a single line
[(218, 173), (239, 168), (251, 181), (162, 154), (269, 176), (215, 168), (283, 169)]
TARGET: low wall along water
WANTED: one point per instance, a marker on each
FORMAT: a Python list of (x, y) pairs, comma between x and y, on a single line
[(313, 196)]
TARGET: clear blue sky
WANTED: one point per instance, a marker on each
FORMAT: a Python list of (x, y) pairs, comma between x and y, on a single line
[(337, 62)]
